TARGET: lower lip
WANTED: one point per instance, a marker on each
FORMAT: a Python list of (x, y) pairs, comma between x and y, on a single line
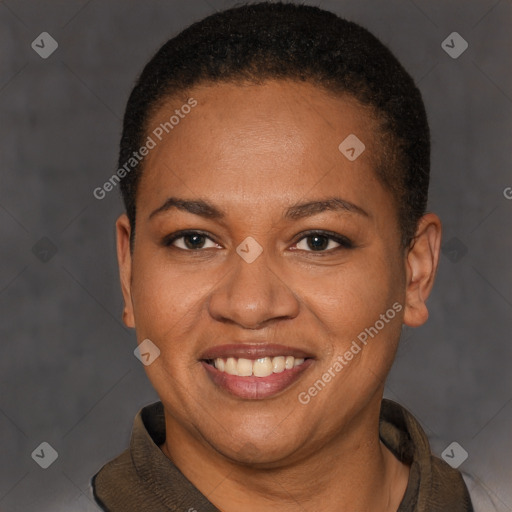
[(256, 388)]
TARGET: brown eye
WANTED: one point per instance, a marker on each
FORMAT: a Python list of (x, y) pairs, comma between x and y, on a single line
[(323, 242), (189, 241), (194, 241), (316, 243)]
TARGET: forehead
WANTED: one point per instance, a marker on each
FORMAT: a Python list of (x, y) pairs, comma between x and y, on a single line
[(262, 142)]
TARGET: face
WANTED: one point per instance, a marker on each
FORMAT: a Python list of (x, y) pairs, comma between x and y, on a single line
[(267, 269)]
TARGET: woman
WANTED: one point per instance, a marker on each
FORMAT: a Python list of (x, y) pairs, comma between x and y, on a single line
[(274, 166)]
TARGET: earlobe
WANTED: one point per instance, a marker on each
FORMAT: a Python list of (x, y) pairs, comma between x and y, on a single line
[(124, 259), (421, 265)]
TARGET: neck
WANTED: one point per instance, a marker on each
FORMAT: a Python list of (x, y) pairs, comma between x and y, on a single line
[(354, 471)]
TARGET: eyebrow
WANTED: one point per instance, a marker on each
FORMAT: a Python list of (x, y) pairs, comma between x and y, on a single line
[(298, 211), (197, 207), (311, 208)]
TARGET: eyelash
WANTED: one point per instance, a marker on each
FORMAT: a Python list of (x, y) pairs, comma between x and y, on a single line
[(343, 241)]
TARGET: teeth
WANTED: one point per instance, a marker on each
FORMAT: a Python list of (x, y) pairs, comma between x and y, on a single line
[(244, 367), (262, 367), (220, 364), (278, 364), (231, 366)]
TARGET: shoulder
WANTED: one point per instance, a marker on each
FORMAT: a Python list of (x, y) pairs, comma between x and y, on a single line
[(446, 489), (117, 487)]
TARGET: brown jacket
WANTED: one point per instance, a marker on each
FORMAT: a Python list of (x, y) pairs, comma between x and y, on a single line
[(143, 479)]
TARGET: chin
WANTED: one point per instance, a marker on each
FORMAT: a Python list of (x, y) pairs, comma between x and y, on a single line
[(262, 451)]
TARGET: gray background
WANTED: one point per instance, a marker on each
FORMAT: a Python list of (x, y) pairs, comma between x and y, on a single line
[(68, 375)]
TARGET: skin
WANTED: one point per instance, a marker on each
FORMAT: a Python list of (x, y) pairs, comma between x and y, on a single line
[(252, 151)]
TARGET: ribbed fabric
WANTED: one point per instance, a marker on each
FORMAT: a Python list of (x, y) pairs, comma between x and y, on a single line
[(143, 479)]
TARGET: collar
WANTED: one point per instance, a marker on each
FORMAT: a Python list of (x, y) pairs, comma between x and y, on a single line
[(148, 474)]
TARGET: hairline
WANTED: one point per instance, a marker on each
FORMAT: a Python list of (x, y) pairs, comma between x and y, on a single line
[(375, 115)]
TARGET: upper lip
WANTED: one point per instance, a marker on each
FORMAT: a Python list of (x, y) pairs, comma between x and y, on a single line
[(252, 351)]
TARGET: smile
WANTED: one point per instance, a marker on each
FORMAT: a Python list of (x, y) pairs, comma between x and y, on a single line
[(262, 367), (255, 371)]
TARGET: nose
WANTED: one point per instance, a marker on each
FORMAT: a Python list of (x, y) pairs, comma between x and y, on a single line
[(252, 295)]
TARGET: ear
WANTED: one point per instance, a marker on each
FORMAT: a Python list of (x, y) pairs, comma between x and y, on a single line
[(124, 260), (421, 266)]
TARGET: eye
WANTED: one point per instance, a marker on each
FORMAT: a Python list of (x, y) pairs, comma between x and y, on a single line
[(320, 241), (189, 241)]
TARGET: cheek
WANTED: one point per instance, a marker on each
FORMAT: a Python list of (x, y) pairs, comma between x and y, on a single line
[(338, 302), (348, 298), (167, 297), (167, 304)]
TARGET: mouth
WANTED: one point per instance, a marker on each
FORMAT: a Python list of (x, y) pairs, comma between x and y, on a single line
[(261, 367), (255, 372)]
